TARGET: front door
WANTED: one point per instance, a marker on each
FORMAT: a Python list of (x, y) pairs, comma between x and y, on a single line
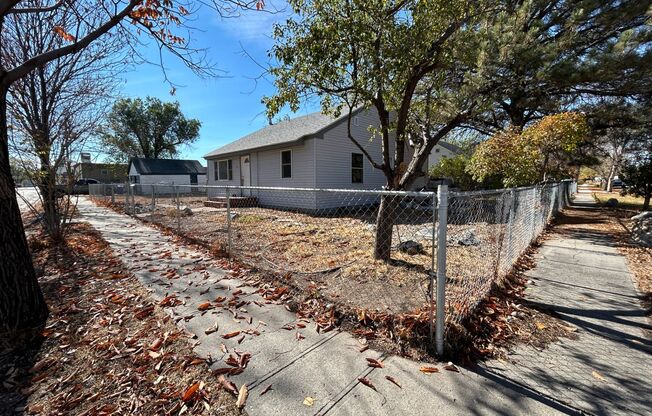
[(245, 174)]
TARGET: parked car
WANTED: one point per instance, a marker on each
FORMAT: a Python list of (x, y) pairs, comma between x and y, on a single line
[(617, 183), (80, 187)]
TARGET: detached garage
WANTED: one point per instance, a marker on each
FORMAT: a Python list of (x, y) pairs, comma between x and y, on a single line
[(145, 172)]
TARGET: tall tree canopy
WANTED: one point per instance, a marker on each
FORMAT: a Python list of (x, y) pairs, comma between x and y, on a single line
[(558, 53), (418, 64), (549, 149), (147, 128)]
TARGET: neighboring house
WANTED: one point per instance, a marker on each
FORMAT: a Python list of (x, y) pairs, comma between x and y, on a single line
[(442, 150), (146, 172), (102, 172), (311, 151)]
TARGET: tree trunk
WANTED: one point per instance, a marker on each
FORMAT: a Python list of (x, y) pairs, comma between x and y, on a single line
[(646, 202), (23, 311), (387, 214), (612, 173)]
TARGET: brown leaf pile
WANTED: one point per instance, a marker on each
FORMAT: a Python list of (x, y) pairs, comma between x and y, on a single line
[(108, 348)]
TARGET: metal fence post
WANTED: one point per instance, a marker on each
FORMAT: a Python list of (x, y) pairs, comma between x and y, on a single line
[(112, 194), (228, 220), (442, 198), (153, 197), (431, 284), (176, 191)]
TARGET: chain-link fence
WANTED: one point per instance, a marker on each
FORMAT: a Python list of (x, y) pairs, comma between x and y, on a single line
[(374, 250)]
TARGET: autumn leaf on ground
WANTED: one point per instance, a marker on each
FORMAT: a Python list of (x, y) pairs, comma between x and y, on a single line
[(429, 370), (451, 367), (231, 334), (598, 376), (540, 326), (367, 382), (212, 329), (190, 392), (266, 389), (308, 401), (242, 397), (393, 380), (204, 306), (227, 384), (372, 362)]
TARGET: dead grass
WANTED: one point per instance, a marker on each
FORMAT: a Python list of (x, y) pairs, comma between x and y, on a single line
[(107, 347), (624, 202)]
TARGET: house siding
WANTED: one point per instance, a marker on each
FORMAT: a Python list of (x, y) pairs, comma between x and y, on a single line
[(266, 172)]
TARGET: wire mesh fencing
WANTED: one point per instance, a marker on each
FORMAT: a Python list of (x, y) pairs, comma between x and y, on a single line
[(487, 232), (369, 250)]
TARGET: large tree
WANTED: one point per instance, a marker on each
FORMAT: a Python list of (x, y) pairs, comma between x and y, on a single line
[(562, 53), (56, 107), (147, 128), (419, 65), (22, 308)]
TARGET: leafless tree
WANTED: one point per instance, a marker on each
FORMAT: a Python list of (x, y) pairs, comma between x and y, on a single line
[(22, 308), (55, 108)]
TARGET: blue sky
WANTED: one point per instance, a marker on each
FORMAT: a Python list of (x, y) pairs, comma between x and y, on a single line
[(230, 106)]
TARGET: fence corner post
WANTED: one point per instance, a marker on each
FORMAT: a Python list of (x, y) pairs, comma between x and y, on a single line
[(112, 194), (228, 220), (442, 198)]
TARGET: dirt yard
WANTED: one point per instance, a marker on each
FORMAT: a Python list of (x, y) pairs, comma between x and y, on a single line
[(332, 256)]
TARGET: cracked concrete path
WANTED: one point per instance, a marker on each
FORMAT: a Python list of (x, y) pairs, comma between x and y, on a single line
[(325, 367), (582, 277)]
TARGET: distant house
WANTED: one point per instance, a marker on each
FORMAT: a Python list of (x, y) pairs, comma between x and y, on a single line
[(166, 172), (311, 151), (102, 172)]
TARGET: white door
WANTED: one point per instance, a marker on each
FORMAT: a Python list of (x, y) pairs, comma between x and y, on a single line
[(245, 174)]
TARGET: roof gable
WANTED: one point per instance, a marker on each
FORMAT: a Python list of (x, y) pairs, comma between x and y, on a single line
[(166, 166)]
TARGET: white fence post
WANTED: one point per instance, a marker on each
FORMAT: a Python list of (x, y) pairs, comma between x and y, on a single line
[(442, 198), (176, 191)]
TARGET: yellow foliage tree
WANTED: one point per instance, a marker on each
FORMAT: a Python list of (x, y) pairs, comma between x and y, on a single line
[(549, 149)]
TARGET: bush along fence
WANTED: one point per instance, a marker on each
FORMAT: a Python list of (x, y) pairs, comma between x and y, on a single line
[(385, 251)]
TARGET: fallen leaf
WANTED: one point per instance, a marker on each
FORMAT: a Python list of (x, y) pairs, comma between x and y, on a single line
[(540, 326), (212, 329), (190, 392), (372, 362), (393, 380), (308, 401), (242, 397), (429, 370), (231, 334), (451, 367), (366, 382), (598, 375), (204, 306), (266, 389)]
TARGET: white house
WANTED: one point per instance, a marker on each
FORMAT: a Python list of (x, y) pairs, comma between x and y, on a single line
[(146, 172), (311, 151)]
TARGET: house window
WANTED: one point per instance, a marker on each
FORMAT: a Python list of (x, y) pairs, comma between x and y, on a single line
[(286, 164), (134, 179), (357, 168), (104, 172), (224, 170)]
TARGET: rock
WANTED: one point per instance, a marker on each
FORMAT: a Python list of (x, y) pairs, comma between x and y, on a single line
[(467, 238), (643, 215), (234, 215), (611, 203), (185, 211), (410, 247)]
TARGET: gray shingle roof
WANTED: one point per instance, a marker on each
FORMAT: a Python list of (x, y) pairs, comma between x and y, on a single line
[(450, 146), (167, 166), (287, 131)]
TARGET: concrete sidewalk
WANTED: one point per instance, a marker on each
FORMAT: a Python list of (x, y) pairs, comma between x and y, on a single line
[(582, 278), (324, 367)]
